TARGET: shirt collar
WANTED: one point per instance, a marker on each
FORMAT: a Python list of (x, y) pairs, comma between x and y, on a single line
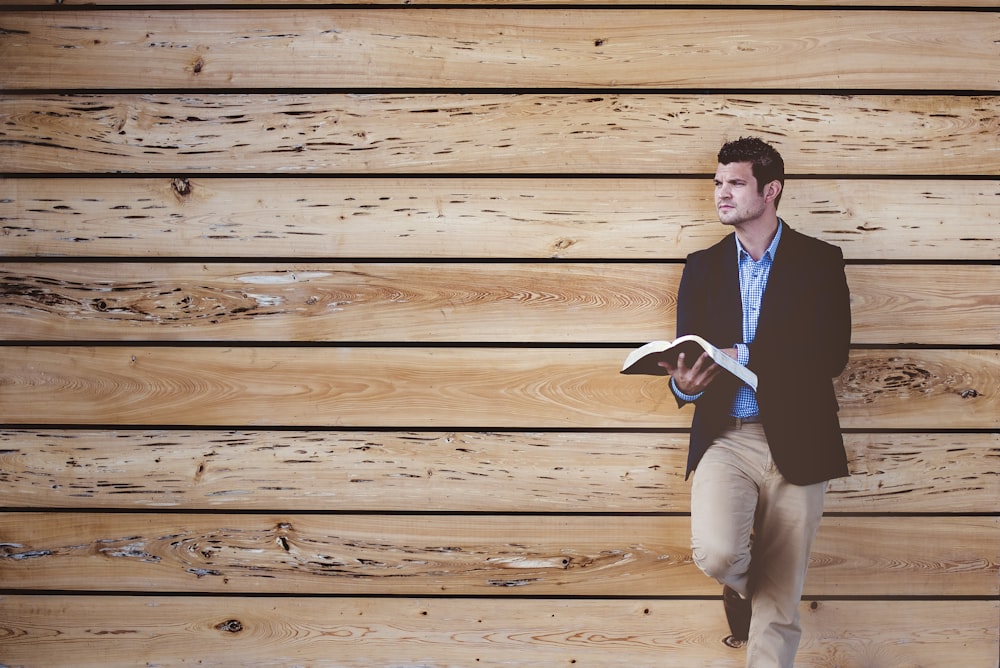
[(771, 251)]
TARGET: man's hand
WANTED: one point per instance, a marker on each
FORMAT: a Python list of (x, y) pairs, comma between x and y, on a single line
[(696, 378)]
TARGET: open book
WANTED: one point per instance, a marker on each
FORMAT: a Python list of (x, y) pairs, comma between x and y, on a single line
[(645, 359)]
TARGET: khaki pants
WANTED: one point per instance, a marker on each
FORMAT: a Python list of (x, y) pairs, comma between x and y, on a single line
[(753, 530)]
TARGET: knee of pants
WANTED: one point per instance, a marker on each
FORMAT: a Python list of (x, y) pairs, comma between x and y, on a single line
[(720, 563)]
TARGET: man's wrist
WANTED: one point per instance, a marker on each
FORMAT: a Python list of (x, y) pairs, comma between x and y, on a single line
[(742, 353), (683, 396)]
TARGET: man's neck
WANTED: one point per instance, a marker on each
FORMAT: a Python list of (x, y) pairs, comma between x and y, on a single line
[(757, 236)]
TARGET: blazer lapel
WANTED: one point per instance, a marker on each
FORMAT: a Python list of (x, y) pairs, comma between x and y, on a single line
[(781, 282), (726, 300)]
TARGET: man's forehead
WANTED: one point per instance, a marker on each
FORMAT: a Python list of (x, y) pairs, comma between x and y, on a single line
[(735, 170)]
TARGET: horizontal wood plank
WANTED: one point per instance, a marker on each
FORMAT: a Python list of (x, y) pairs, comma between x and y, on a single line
[(925, 304), (876, 386), (460, 302), (78, 631), (441, 387), (461, 555), (453, 471), (492, 133), (637, 48), (569, 218), (346, 302)]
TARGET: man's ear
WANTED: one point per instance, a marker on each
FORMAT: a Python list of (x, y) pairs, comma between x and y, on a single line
[(772, 190)]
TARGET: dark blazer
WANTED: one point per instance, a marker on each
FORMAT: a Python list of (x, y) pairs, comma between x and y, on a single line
[(801, 344)]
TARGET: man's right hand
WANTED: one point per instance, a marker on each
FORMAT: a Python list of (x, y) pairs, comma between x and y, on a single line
[(694, 379)]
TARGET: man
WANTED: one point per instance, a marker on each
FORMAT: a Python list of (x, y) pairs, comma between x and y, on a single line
[(778, 302)]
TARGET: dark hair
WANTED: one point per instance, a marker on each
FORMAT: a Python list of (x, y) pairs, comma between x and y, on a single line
[(765, 160)]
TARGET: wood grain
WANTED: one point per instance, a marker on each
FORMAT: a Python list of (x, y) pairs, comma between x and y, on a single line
[(444, 388), (346, 302), (455, 302), (491, 133), (420, 555), (499, 472), (946, 306), (637, 48), (495, 218), (77, 631), (877, 384)]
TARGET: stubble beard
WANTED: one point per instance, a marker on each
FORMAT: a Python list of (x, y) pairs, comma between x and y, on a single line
[(736, 217)]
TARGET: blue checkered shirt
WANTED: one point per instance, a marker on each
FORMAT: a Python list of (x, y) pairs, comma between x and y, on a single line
[(753, 282)]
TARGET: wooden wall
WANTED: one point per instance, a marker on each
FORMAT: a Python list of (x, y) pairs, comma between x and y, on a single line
[(312, 316)]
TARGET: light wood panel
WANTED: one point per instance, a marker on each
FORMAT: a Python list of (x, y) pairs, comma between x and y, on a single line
[(445, 387), (422, 555), (431, 302), (492, 133), (78, 631), (347, 302), (902, 389), (449, 218), (496, 472), (637, 48), (925, 304)]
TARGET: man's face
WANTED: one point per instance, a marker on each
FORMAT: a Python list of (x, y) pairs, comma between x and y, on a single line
[(737, 199)]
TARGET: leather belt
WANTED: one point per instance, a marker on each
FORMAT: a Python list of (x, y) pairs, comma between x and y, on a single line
[(739, 422)]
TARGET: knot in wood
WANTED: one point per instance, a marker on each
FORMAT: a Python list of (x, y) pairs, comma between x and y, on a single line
[(181, 186), (870, 380), (230, 626)]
